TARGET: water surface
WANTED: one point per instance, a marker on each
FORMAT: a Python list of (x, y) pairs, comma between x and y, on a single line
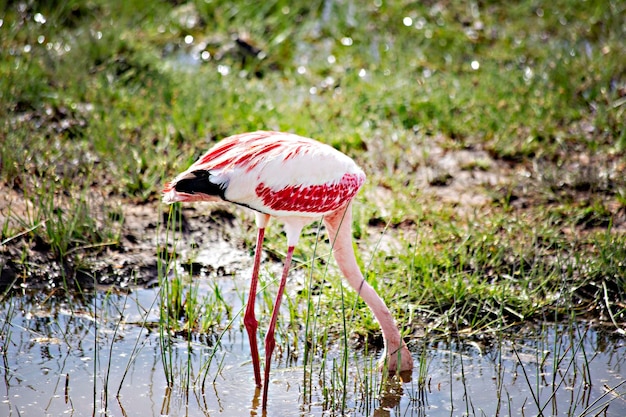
[(61, 358)]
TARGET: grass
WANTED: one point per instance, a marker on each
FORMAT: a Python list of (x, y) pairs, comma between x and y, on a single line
[(493, 137)]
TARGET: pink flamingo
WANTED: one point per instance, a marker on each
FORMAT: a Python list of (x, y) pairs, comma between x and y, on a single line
[(297, 180)]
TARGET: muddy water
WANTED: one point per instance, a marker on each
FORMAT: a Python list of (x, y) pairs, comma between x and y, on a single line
[(74, 356)]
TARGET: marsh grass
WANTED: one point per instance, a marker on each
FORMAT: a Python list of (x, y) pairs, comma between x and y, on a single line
[(561, 366), (107, 314), (57, 323), (186, 315)]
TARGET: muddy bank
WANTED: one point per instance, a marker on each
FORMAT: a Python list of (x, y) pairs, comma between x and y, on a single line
[(465, 181), (132, 260)]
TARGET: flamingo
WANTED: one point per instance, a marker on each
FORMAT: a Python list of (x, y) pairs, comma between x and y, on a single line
[(296, 180)]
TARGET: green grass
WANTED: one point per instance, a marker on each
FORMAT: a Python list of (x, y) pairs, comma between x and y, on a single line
[(99, 106)]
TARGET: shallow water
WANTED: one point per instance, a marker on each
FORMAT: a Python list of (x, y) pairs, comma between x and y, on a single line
[(53, 347)]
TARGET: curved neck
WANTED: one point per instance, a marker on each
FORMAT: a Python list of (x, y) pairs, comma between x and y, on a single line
[(339, 225)]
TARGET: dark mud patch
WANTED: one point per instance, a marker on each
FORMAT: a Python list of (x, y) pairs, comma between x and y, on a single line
[(134, 259)]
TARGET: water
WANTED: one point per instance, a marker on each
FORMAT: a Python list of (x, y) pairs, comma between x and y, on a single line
[(59, 358)]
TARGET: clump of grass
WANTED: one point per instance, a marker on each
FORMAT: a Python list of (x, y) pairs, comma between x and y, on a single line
[(191, 314)]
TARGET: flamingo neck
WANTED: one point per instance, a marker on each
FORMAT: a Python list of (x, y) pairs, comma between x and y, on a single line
[(339, 225)]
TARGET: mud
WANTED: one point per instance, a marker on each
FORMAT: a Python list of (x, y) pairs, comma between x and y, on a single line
[(133, 260)]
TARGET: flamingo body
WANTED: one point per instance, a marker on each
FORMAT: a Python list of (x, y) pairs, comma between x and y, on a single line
[(297, 180), (280, 174)]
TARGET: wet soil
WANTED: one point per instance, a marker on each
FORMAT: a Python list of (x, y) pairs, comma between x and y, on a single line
[(133, 260)]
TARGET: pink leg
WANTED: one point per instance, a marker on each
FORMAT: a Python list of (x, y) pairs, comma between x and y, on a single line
[(249, 318), (270, 341)]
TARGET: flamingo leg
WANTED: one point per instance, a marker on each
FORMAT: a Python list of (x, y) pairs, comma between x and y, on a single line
[(270, 340), (249, 318)]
